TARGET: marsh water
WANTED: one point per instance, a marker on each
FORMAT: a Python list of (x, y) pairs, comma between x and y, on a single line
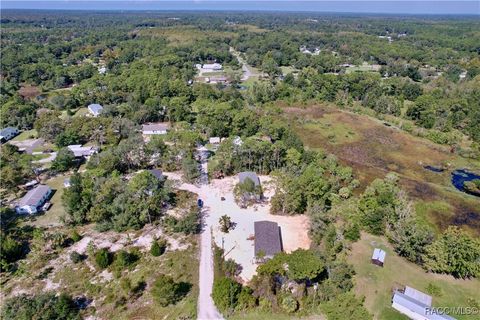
[(460, 176)]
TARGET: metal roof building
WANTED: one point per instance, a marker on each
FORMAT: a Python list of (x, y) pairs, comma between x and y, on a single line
[(378, 257), (268, 241), (415, 309), (34, 199), (95, 109), (242, 176)]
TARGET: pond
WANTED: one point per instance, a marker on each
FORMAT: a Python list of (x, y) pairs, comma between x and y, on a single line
[(460, 176), (434, 169)]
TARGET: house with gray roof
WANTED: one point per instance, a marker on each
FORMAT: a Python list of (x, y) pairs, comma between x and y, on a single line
[(416, 305), (79, 151), (155, 128), (95, 109), (243, 176), (268, 240), (8, 133), (33, 200)]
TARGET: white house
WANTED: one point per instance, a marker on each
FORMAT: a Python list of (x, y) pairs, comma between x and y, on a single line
[(212, 67), (95, 109), (214, 140), (79, 151), (416, 305), (8, 133), (33, 200), (155, 128)]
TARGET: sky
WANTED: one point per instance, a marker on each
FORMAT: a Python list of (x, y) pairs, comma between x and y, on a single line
[(348, 6)]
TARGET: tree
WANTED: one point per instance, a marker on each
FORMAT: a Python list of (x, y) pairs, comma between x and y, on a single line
[(410, 239), (225, 293), (65, 160), (304, 265), (166, 291), (49, 125), (158, 247), (455, 252), (346, 306), (190, 169), (103, 258), (225, 223)]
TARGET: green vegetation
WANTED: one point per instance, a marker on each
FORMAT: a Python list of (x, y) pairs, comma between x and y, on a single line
[(166, 291), (422, 83), (42, 307), (158, 247)]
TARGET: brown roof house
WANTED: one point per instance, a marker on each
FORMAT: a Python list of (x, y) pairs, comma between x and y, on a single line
[(268, 240)]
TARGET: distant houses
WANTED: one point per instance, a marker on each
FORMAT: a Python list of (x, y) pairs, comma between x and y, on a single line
[(95, 109), (268, 240), (378, 257), (209, 67), (155, 128), (8, 133), (217, 79), (214, 140), (416, 305), (82, 152), (32, 202)]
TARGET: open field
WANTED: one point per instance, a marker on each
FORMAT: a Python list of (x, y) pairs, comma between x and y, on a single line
[(24, 135), (182, 35), (373, 149), (376, 283), (363, 68)]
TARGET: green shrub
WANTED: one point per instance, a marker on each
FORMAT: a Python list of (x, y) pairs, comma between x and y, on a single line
[(124, 259), (76, 257), (289, 304), (75, 236), (166, 291), (246, 300), (42, 307), (158, 247), (103, 258), (225, 293)]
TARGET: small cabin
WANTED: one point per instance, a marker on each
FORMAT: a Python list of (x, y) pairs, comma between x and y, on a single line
[(378, 257)]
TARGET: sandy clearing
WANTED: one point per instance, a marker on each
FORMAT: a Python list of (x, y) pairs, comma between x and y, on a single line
[(294, 229)]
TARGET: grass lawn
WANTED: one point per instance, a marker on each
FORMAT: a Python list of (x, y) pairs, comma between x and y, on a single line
[(363, 68), (81, 112), (29, 134), (287, 70), (376, 283)]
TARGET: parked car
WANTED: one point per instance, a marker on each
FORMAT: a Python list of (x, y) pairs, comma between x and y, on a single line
[(46, 206), (200, 203)]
